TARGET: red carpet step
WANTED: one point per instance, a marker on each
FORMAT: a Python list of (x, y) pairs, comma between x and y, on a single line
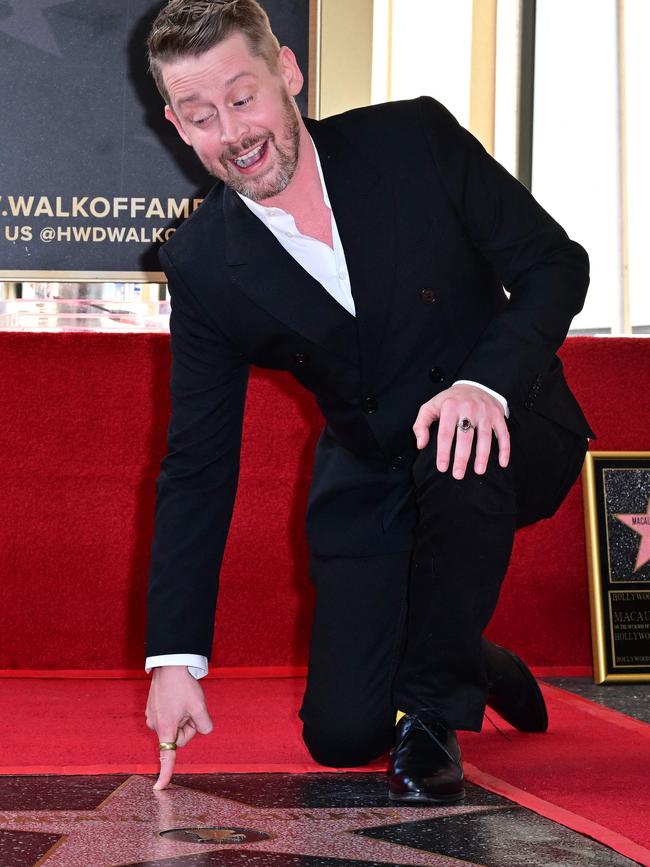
[(84, 441)]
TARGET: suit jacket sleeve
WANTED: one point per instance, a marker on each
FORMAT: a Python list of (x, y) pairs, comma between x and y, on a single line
[(545, 272), (198, 478)]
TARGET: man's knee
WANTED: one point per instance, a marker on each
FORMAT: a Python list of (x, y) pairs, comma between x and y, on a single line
[(347, 743), (440, 493)]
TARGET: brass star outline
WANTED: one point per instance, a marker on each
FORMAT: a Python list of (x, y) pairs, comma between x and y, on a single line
[(125, 828)]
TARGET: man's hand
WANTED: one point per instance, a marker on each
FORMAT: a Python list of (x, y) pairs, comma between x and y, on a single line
[(176, 711), (452, 405)]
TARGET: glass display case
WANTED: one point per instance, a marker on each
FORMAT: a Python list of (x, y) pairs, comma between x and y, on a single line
[(127, 307)]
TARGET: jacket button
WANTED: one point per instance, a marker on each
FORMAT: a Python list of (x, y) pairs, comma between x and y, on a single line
[(397, 462), (300, 358), (528, 404), (436, 374), (428, 296), (369, 405)]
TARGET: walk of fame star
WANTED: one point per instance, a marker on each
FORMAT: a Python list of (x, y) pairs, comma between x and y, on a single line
[(640, 523), (125, 828)]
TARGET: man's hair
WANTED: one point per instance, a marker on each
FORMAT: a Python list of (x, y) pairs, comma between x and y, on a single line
[(191, 27)]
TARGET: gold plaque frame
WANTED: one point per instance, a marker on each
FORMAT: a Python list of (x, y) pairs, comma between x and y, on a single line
[(607, 583)]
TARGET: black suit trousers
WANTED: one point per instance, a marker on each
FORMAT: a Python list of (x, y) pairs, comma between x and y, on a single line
[(403, 630)]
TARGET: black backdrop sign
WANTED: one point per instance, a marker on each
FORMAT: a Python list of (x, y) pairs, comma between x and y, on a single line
[(92, 177)]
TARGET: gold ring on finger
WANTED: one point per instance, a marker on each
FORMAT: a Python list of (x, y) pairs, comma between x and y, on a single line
[(167, 745)]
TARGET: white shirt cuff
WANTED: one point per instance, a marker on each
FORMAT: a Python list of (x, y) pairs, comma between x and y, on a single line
[(196, 665), (495, 394)]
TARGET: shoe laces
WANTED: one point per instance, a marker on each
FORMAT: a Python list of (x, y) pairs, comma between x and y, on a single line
[(418, 722), (494, 725)]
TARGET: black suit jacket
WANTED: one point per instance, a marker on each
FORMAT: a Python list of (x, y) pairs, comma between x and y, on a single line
[(433, 229)]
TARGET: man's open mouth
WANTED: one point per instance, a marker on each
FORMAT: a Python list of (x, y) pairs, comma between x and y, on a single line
[(252, 158)]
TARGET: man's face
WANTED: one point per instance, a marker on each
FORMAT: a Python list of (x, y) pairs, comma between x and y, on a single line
[(238, 115)]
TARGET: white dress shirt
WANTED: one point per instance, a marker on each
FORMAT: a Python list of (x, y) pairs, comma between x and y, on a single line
[(326, 265)]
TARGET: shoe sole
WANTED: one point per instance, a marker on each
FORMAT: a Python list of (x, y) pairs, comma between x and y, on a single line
[(421, 798), (531, 680)]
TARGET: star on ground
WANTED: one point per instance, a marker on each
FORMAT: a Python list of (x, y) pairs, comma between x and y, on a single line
[(126, 826)]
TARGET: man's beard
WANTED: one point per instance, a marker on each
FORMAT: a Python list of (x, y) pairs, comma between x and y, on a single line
[(286, 159)]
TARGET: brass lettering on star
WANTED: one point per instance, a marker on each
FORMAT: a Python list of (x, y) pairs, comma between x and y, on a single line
[(223, 836)]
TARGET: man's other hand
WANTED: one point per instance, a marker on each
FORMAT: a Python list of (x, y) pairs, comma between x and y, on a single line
[(448, 408), (176, 711)]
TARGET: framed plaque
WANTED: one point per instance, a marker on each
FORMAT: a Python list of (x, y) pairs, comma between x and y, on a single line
[(93, 179), (617, 522)]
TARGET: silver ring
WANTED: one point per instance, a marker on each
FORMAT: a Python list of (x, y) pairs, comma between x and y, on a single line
[(465, 424)]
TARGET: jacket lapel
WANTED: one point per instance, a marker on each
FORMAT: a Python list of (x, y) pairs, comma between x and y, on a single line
[(272, 278), (363, 206)]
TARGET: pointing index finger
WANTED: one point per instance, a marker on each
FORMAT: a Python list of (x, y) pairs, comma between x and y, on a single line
[(167, 762)]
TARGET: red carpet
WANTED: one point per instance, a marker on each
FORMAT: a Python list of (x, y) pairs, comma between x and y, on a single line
[(85, 439), (590, 772), (593, 764)]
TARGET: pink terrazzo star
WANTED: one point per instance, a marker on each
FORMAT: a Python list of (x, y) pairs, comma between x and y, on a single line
[(125, 828), (641, 525)]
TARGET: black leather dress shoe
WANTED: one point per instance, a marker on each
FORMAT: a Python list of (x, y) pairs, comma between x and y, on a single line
[(425, 765), (512, 690)]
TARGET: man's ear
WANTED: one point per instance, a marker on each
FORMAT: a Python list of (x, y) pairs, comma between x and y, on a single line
[(171, 117), (290, 71)]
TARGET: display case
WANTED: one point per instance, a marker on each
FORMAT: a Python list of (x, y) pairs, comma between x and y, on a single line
[(114, 307)]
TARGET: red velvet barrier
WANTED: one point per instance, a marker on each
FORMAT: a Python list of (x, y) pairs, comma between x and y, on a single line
[(82, 433)]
